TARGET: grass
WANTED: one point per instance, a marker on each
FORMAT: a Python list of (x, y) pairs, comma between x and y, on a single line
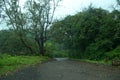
[(10, 63), (98, 62), (94, 61)]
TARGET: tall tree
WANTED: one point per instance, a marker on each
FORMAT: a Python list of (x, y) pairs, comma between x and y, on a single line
[(1, 5), (16, 20), (41, 16), (36, 19)]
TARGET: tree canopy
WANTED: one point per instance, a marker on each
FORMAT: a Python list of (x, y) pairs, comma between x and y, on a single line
[(90, 33), (93, 33)]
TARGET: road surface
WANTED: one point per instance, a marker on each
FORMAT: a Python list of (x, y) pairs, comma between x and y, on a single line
[(65, 70)]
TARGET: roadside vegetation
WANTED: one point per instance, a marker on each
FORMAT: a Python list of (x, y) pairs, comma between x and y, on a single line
[(10, 63), (94, 61)]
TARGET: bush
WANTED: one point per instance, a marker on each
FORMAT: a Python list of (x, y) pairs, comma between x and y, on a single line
[(114, 54), (55, 50), (94, 53)]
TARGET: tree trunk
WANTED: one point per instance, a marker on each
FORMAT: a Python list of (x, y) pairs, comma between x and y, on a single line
[(40, 42), (37, 39), (28, 47), (42, 47)]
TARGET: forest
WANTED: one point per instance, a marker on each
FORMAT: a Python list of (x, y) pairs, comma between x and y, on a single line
[(33, 35), (92, 34)]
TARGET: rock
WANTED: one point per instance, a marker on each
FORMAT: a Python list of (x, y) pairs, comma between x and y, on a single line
[(116, 62)]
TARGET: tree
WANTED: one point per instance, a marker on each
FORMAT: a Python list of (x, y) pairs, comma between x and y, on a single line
[(118, 2), (88, 33), (1, 6), (9, 43), (17, 20), (41, 16), (34, 21)]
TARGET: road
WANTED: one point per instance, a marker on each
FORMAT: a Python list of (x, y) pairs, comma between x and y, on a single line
[(65, 70)]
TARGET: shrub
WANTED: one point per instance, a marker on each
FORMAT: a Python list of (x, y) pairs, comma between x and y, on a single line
[(114, 54)]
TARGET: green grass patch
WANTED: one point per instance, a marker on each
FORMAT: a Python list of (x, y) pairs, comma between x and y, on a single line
[(94, 61), (9, 63), (98, 62)]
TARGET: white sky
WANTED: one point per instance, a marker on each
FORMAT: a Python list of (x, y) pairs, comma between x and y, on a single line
[(70, 7)]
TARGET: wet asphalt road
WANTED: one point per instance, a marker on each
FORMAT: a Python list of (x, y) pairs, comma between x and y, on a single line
[(65, 70)]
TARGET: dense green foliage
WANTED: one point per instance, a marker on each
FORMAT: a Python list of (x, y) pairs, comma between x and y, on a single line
[(89, 34), (55, 50), (114, 54), (93, 33), (30, 22), (12, 44)]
